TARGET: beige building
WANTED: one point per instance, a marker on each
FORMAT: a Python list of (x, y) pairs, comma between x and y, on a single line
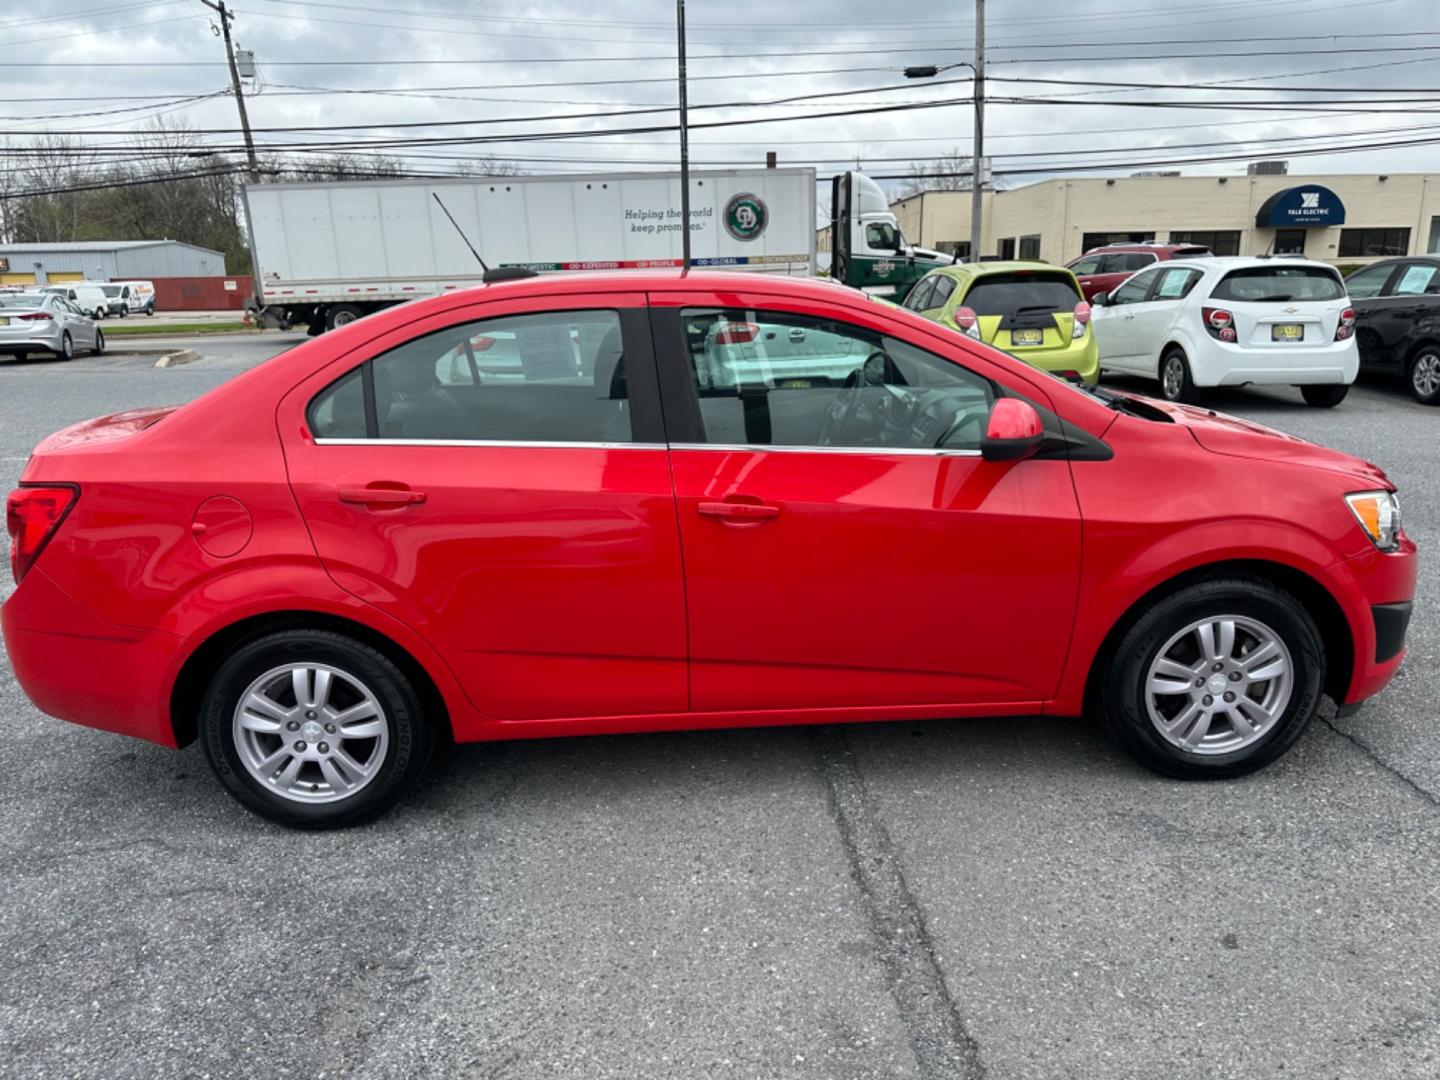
[(1343, 218)]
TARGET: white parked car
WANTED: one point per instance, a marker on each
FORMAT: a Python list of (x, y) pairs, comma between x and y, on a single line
[(1231, 322)]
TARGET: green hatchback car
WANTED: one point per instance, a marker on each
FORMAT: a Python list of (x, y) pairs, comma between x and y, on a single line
[(1033, 311)]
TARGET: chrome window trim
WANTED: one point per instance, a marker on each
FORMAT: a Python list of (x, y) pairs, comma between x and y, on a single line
[(879, 451), (537, 443), (883, 451)]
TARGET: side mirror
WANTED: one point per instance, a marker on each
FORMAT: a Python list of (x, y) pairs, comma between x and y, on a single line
[(1100, 299), (1013, 432)]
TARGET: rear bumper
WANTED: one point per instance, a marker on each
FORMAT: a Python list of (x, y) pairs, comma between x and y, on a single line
[(76, 667), (31, 341), (1081, 357), (1383, 589), (1219, 363)]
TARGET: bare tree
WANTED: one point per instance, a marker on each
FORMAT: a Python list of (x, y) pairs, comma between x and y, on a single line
[(939, 175)]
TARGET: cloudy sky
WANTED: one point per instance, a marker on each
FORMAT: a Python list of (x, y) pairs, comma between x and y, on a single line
[(1238, 80)]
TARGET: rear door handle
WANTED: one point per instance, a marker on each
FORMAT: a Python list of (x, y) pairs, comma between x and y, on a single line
[(739, 513), (369, 496)]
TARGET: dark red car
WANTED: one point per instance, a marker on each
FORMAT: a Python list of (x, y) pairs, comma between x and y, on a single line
[(635, 502), (1103, 269)]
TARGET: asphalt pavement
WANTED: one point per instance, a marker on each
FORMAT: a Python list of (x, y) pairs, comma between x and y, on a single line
[(1003, 898)]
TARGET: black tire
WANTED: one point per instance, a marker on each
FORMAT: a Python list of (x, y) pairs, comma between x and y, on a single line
[(1123, 699), (1422, 375), (1180, 390), (411, 736), (67, 347), (99, 349), (149, 311), (1324, 397), (342, 315), (124, 311)]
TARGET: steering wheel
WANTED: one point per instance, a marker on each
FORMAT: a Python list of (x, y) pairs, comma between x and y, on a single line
[(843, 409)]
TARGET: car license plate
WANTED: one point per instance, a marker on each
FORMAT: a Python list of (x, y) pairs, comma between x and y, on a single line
[(1287, 332), (1027, 337)]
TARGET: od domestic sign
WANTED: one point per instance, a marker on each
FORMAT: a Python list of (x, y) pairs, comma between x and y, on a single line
[(1312, 206)]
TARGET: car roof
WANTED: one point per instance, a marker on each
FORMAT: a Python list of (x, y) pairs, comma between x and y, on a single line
[(1007, 266), (1153, 248), (1236, 262)]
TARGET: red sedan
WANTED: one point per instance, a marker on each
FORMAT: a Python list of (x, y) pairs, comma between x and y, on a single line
[(639, 502)]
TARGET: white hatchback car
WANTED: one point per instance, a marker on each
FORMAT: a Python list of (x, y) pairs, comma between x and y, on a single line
[(1231, 322)]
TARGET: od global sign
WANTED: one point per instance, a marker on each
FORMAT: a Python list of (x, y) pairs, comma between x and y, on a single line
[(1312, 206)]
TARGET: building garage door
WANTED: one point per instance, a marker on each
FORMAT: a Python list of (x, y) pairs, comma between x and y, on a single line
[(17, 279), (59, 277)]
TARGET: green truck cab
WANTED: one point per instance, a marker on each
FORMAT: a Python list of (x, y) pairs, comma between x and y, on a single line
[(867, 249)]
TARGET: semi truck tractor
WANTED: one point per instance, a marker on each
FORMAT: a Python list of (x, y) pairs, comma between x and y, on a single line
[(867, 248)]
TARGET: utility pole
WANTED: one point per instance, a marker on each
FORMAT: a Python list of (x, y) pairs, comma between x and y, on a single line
[(225, 18), (684, 142), (976, 186)]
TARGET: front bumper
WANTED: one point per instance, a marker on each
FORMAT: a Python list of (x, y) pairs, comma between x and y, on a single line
[(1377, 598), (79, 668)]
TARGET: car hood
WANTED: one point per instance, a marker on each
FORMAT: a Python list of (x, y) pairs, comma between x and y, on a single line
[(1234, 437)]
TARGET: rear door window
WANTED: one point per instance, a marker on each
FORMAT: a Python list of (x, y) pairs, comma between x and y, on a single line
[(919, 297), (944, 286), (1419, 279), (1279, 284), (1175, 283), (1005, 294)]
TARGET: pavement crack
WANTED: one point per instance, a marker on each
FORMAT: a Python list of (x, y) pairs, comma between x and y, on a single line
[(1370, 752), (942, 1046)]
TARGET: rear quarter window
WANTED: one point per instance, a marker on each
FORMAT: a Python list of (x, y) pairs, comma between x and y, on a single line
[(1004, 294), (1279, 284)]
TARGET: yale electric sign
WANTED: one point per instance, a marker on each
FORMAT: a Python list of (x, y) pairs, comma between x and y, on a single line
[(1309, 207)]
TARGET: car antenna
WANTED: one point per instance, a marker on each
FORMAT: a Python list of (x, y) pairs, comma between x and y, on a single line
[(500, 273)]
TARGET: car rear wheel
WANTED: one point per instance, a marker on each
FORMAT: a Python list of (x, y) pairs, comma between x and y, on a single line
[(1324, 397), (1424, 376), (1216, 680), (314, 730), (99, 342), (1175, 382), (67, 347)]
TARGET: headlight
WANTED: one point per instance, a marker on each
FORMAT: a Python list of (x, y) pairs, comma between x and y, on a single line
[(1379, 515)]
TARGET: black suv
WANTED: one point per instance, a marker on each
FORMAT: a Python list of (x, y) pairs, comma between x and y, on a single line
[(1397, 321)]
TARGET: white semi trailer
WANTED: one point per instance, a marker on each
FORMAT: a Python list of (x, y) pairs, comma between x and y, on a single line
[(328, 253)]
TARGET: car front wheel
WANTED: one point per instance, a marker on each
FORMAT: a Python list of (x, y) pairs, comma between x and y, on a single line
[(314, 730), (1216, 680), (1424, 376)]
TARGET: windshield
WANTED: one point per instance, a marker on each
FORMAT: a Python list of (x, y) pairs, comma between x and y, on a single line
[(1005, 294), (1279, 284), (110, 290), (22, 300)]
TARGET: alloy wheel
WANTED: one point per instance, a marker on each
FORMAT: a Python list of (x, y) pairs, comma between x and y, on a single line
[(1219, 684), (311, 733), (1425, 375), (1173, 379)]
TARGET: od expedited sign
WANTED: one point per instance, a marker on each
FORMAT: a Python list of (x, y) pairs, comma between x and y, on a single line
[(746, 216), (1312, 206)]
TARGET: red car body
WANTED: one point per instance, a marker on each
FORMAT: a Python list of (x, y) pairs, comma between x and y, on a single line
[(1105, 269), (553, 589)]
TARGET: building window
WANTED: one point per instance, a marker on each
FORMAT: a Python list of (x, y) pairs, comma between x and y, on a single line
[(954, 247), (1091, 240), (1363, 243), (1219, 241), (1434, 246), (1289, 242), (1029, 247), (1007, 248)]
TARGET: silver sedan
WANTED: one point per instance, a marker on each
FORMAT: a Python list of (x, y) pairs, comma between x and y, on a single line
[(44, 322)]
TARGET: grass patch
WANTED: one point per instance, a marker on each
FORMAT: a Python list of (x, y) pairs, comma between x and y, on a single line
[(136, 330)]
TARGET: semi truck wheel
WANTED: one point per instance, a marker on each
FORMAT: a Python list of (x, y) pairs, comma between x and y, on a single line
[(342, 315)]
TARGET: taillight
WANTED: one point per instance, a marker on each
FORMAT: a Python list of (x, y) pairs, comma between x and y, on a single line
[(38, 316), (1347, 325), (481, 343), (1219, 322), (32, 515), (968, 322), (1082, 317), (736, 333)]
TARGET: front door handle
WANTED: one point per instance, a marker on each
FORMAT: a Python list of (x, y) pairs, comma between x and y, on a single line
[(369, 496), (739, 513)]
